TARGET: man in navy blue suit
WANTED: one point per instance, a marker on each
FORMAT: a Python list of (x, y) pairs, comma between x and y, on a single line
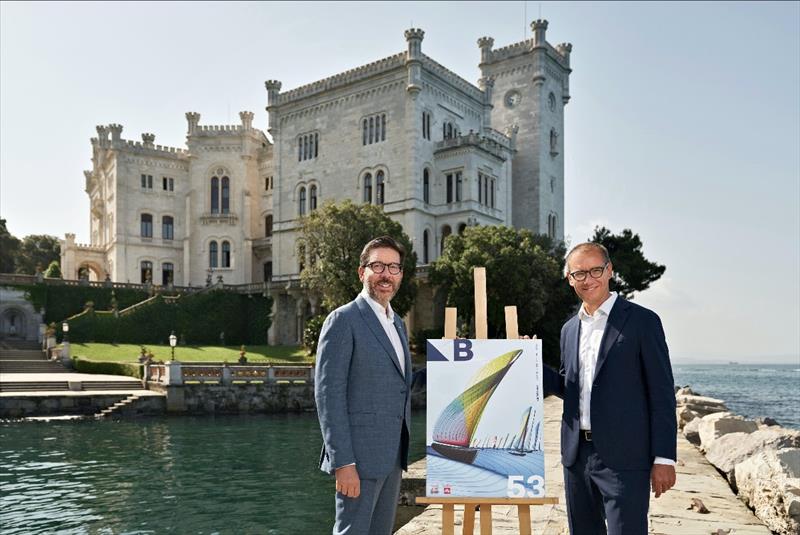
[(618, 430)]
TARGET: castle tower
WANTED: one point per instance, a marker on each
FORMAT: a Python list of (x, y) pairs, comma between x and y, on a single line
[(531, 87)]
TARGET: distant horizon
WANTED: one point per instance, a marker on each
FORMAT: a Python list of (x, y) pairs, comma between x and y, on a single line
[(770, 361)]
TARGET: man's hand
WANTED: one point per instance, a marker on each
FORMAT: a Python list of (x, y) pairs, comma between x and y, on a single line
[(348, 482), (662, 478)]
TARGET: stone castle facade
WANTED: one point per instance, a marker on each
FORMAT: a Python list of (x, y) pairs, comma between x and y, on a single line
[(437, 152)]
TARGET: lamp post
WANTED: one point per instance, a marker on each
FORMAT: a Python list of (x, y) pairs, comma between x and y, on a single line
[(173, 341), (65, 354)]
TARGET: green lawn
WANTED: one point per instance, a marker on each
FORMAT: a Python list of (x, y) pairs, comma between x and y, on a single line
[(130, 353)]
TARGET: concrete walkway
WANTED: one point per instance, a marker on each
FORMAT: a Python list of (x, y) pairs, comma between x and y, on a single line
[(669, 514)]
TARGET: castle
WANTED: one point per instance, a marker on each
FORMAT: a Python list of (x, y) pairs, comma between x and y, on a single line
[(437, 152)]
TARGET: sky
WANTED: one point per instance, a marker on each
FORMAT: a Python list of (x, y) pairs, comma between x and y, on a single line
[(684, 123)]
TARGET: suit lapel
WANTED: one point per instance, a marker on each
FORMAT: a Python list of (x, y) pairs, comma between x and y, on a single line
[(573, 343), (377, 329), (398, 324), (616, 321)]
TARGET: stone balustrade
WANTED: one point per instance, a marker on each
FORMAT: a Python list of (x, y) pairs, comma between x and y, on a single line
[(175, 373)]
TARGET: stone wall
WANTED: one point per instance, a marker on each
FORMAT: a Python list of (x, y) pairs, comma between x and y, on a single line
[(238, 398), (25, 405)]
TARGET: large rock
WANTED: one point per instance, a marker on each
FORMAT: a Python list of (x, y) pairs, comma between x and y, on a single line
[(700, 404), (685, 415), (729, 450), (690, 431), (718, 424), (769, 482)]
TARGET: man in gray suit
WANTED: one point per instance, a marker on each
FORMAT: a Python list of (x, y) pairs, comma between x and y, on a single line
[(362, 389)]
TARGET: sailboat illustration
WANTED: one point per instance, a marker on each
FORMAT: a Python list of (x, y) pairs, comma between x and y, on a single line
[(456, 425), (522, 445)]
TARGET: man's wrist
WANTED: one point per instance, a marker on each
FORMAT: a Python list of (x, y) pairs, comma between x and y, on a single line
[(664, 460)]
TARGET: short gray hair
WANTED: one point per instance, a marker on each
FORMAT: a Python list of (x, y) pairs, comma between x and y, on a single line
[(586, 246)]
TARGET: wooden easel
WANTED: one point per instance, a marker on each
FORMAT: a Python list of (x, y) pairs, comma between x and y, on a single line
[(485, 504)]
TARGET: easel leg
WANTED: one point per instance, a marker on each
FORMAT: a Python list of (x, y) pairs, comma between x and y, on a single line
[(486, 519), (524, 513), (469, 519), (448, 519)]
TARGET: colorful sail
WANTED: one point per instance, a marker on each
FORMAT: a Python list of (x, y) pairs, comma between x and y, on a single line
[(459, 420)]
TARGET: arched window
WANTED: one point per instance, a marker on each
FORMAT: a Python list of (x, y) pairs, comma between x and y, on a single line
[(461, 228), (426, 187), (167, 227), (226, 195), (301, 202), (316, 145), (368, 188), (383, 127), (425, 239), (379, 188), (146, 224), (300, 149), (446, 231), (268, 226), (371, 129), (214, 195), (226, 254), (167, 273), (365, 132), (312, 198), (212, 255), (147, 271)]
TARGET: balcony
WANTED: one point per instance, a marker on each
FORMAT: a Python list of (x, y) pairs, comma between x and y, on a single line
[(219, 219)]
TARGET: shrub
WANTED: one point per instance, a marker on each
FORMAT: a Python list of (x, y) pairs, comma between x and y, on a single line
[(311, 333), (107, 368), (421, 336)]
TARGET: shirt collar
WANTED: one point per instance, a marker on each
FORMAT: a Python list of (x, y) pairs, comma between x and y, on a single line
[(605, 308), (377, 307)]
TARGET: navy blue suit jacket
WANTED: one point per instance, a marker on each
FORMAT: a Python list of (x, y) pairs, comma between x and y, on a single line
[(633, 397)]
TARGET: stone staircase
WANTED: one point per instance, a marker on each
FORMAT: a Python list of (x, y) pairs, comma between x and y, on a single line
[(28, 361), (70, 386), (117, 406)]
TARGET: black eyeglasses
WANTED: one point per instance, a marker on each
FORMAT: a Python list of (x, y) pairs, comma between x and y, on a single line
[(378, 267), (595, 272)]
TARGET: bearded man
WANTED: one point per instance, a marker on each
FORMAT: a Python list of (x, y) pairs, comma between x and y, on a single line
[(362, 389)]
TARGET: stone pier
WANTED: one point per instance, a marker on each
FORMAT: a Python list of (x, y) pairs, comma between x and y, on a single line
[(669, 514)]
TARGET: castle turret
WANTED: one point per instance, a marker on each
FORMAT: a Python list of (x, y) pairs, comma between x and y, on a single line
[(102, 135), (192, 118), (247, 120), (539, 28), (116, 132), (487, 86), (414, 37), (148, 139), (485, 44), (273, 92)]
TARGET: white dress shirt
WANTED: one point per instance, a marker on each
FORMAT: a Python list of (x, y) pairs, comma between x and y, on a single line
[(592, 328), (386, 319)]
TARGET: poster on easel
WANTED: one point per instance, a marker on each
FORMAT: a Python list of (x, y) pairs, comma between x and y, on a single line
[(485, 418)]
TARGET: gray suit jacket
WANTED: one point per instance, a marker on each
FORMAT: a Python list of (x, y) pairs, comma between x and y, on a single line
[(363, 399)]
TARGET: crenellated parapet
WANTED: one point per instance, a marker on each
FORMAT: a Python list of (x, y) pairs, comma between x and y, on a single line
[(559, 53), (148, 139), (193, 119), (490, 141), (348, 77), (116, 142), (452, 78)]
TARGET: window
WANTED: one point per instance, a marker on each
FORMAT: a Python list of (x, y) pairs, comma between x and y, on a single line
[(449, 130), (268, 226), (449, 187), (226, 254), (446, 231), (307, 146), (373, 129), (368, 188), (312, 198), (146, 225), (214, 195), (146, 268), (551, 102), (426, 125), (168, 183), (426, 187), (212, 255), (480, 188), (226, 195), (267, 271), (492, 194), (379, 188), (459, 186), (553, 142), (167, 273), (461, 228), (425, 239), (167, 227), (147, 181), (267, 183), (301, 202)]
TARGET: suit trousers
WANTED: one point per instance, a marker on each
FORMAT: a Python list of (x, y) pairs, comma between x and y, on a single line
[(597, 494), (373, 512)]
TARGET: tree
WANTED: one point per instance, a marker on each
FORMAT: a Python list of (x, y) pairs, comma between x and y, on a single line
[(53, 270), (332, 238), (522, 269), (37, 250), (9, 247), (632, 271)]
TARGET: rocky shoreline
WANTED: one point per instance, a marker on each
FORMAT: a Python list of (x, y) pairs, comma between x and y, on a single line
[(759, 458)]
